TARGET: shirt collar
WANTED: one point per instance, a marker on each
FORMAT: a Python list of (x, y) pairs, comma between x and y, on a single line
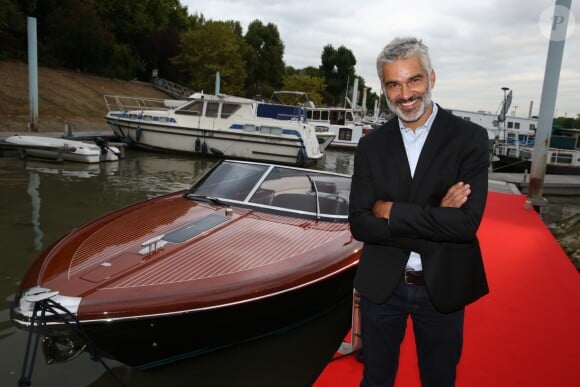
[(427, 124)]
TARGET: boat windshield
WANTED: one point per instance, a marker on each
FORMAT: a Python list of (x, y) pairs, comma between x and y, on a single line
[(230, 180), (279, 187)]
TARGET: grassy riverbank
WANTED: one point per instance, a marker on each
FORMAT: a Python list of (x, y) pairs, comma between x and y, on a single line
[(64, 97)]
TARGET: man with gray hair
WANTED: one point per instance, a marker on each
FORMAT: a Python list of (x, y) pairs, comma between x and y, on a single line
[(418, 193)]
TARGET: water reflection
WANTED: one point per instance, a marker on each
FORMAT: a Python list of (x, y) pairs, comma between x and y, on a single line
[(33, 184)]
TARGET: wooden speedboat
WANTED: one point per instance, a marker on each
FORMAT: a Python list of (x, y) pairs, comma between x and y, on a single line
[(250, 250), (62, 149)]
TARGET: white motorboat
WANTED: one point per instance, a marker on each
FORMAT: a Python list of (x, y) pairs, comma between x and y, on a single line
[(62, 149), (213, 125), (345, 123)]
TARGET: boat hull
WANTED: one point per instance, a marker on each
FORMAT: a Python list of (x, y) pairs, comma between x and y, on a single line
[(218, 143), (148, 342), (63, 150), (511, 164)]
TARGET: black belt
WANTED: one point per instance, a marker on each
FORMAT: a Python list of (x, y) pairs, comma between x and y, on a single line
[(412, 277)]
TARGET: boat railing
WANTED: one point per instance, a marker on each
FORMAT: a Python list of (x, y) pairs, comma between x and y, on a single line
[(125, 103), (174, 89)]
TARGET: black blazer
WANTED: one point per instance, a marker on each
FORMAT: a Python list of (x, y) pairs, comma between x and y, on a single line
[(455, 150)]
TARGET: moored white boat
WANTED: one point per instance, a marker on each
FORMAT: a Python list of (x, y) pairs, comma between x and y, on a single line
[(218, 125), (516, 153), (345, 123), (62, 149)]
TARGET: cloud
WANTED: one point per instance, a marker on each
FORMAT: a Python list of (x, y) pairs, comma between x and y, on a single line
[(477, 47)]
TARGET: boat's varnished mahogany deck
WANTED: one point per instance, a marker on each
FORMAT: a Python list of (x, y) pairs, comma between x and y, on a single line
[(252, 255)]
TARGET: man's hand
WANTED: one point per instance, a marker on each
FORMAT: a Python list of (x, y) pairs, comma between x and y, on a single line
[(382, 209), (456, 195)]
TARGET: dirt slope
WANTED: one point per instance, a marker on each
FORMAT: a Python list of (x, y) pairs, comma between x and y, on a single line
[(64, 97)]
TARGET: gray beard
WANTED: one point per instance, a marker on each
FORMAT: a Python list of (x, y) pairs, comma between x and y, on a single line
[(426, 102)]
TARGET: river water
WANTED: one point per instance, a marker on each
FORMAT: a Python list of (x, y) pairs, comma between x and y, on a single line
[(40, 201)]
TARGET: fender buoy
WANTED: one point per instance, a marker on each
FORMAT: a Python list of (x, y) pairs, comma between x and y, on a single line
[(204, 149), (138, 134), (301, 159), (197, 144)]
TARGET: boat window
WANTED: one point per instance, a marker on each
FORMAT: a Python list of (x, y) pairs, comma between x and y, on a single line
[(163, 119), (324, 115), (147, 118), (320, 129), (228, 109), (249, 128), (194, 108), (345, 134), (211, 109), (561, 158), (271, 130), (232, 181)]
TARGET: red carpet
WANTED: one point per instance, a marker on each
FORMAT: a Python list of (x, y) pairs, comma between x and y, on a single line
[(526, 331)]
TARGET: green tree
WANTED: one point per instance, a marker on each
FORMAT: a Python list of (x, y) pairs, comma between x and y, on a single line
[(150, 28), (338, 71), (314, 86), (77, 38), (210, 47), (266, 66), (12, 30), (567, 122)]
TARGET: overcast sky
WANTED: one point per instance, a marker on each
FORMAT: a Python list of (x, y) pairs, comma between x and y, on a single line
[(477, 46)]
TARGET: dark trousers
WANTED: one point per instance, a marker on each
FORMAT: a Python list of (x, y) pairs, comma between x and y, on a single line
[(439, 338)]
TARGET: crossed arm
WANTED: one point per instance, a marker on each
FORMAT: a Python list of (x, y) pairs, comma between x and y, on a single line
[(456, 195)]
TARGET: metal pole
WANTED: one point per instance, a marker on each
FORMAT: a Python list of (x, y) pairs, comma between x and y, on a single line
[(32, 74), (548, 100), (504, 114)]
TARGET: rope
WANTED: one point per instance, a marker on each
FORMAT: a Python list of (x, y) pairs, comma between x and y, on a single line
[(54, 308)]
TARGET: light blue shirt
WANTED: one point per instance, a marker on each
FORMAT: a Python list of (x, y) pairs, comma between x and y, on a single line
[(414, 141)]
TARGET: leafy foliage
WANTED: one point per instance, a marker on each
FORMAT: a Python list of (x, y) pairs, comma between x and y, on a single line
[(200, 57), (267, 66), (314, 86), (568, 122), (338, 71), (130, 38), (12, 30), (77, 38)]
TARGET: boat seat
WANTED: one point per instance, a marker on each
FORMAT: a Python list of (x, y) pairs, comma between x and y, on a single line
[(298, 202), (331, 205), (263, 196)]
